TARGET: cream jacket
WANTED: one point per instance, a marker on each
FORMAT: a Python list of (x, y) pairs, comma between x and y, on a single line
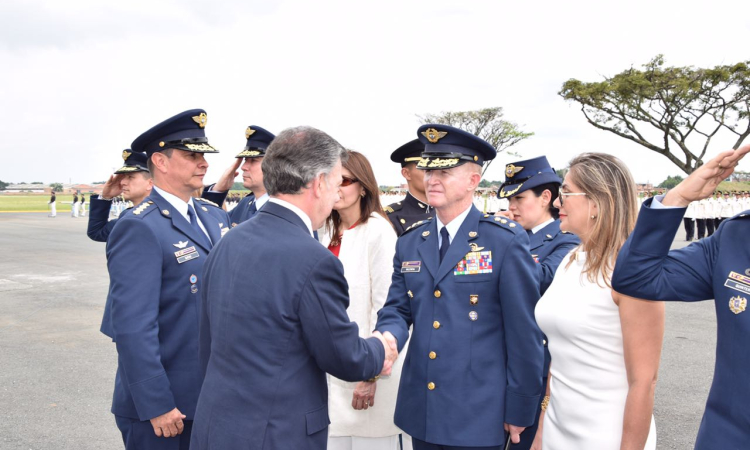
[(367, 255)]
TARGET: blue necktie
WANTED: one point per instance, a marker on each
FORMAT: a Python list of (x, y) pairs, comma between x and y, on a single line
[(445, 243), (530, 233), (253, 209), (194, 223)]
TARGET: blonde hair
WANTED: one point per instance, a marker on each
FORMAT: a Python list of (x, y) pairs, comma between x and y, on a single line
[(610, 185)]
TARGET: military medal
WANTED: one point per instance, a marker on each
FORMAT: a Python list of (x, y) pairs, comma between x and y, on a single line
[(474, 299), (475, 262), (737, 304), (193, 279), (473, 316)]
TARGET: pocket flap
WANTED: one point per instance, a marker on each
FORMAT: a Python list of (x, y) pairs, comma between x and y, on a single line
[(317, 420)]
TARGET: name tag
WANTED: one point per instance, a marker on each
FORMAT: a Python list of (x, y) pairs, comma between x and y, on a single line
[(474, 263), (731, 284), (411, 266), (186, 255)]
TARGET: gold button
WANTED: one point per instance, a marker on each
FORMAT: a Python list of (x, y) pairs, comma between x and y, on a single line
[(544, 341), (433, 355), (430, 385), (436, 324), (438, 294)]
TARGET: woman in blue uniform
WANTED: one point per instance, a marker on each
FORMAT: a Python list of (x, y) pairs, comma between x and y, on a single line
[(531, 186)]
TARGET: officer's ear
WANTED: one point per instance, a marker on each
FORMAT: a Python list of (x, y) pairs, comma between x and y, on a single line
[(406, 172), (159, 162)]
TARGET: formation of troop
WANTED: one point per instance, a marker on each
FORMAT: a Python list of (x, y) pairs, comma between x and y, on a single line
[(307, 315)]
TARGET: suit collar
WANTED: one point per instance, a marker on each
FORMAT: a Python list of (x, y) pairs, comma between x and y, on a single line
[(166, 209), (545, 234), (281, 211)]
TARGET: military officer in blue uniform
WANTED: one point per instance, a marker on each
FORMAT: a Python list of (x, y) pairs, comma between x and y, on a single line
[(531, 186), (717, 267), (132, 181), (155, 255), (251, 158), (467, 285), (414, 207)]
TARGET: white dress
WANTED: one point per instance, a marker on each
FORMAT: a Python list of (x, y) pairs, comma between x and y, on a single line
[(589, 384)]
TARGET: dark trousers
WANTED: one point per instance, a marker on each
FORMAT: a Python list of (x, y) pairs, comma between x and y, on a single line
[(422, 445), (710, 226), (689, 228), (701, 228), (139, 435)]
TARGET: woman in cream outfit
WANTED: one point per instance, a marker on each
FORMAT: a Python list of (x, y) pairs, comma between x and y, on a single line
[(605, 347), (362, 237)]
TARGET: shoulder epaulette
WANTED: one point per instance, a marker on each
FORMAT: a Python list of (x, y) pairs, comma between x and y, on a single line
[(393, 207), (416, 225), (207, 201), (142, 207), (503, 223)]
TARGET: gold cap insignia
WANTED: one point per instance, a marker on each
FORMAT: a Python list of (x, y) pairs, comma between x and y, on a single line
[(433, 135), (475, 247), (511, 170), (737, 304), (249, 132), (126, 154), (201, 120)]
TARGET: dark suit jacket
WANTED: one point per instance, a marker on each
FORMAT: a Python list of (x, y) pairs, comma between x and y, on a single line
[(273, 322), (717, 267), (152, 309)]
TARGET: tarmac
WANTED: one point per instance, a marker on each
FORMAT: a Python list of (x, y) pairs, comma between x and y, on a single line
[(57, 370)]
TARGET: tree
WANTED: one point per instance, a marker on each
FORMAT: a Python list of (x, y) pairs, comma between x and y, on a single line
[(670, 182), (3, 185), (56, 187), (680, 104), (486, 123)]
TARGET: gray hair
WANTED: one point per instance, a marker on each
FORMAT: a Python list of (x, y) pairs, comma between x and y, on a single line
[(298, 155)]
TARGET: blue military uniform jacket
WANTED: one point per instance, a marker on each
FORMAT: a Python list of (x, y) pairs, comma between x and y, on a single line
[(242, 212), (155, 259), (100, 226), (273, 322), (548, 247), (475, 355), (716, 267)]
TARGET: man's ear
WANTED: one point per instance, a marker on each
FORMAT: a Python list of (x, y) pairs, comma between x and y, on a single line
[(160, 162)]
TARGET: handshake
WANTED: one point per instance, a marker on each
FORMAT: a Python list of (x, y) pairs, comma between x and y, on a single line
[(391, 350)]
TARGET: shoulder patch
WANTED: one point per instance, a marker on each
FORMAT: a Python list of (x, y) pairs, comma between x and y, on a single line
[(416, 225), (206, 201), (393, 207), (503, 223), (143, 208)]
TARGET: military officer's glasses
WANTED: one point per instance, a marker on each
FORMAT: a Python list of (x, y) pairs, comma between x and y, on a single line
[(566, 194), (346, 181)]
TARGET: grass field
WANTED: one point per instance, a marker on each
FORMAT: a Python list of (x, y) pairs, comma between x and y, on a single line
[(35, 202)]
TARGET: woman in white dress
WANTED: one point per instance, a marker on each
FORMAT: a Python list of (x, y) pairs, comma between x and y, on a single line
[(364, 240), (605, 347)]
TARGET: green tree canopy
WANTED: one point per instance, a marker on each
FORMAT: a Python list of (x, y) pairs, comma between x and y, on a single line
[(3, 185), (56, 187), (487, 123), (674, 111), (670, 182)]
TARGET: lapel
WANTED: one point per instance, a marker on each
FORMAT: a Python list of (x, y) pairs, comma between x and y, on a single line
[(428, 249), (286, 214), (540, 237), (460, 246), (209, 222), (167, 210)]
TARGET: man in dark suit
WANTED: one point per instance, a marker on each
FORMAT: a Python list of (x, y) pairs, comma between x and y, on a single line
[(717, 267), (155, 254), (273, 313), (467, 285)]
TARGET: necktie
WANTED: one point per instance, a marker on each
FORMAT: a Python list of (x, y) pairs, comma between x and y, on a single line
[(253, 209), (445, 242), (530, 233), (194, 223)]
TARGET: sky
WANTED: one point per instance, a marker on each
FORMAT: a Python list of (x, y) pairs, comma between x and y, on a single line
[(81, 79)]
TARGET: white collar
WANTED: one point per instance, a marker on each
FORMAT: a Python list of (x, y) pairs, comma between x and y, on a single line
[(260, 201), (453, 226), (305, 218), (176, 202), (541, 225)]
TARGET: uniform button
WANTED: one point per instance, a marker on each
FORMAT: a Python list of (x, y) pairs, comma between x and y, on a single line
[(430, 385), (433, 355), (436, 324), (544, 341), (438, 294)]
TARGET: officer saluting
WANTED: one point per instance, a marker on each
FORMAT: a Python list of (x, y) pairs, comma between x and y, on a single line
[(155, 255), (717, 267), (413, 207), (466, 283)]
